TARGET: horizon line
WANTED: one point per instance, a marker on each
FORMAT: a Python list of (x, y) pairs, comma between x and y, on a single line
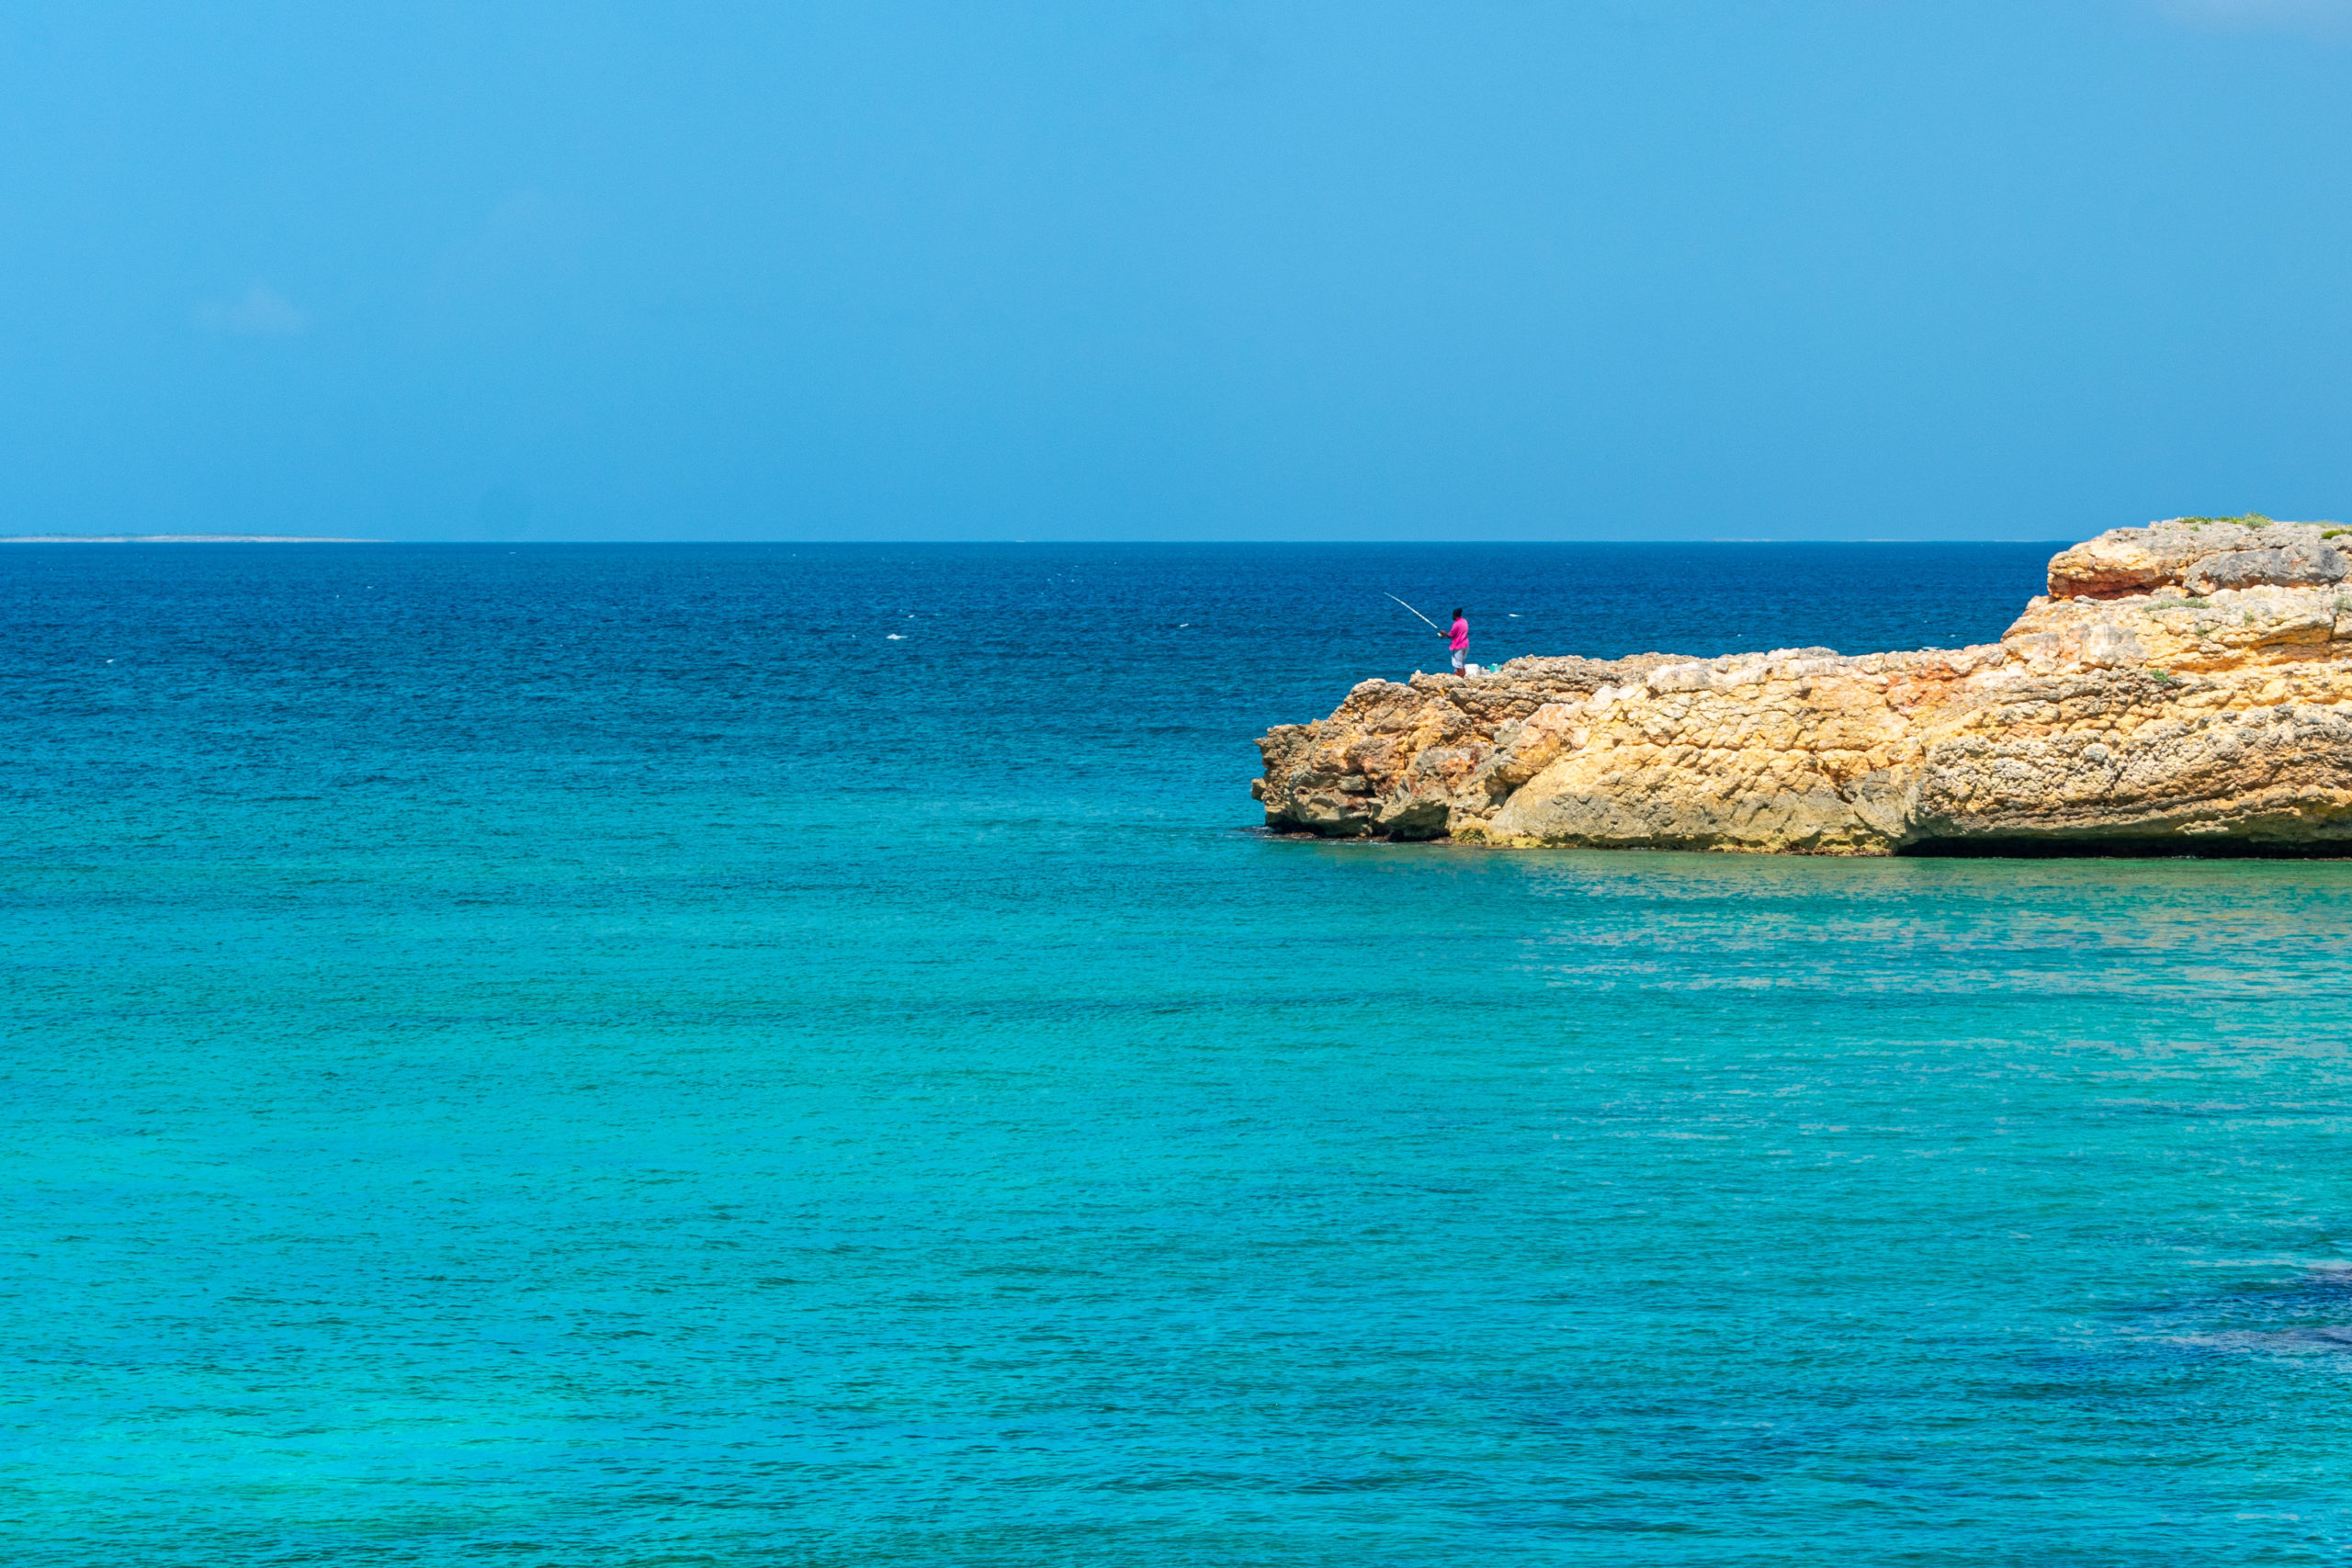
[(324, 539)]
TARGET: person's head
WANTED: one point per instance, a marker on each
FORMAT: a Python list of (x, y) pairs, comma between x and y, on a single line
[(1457, 611)]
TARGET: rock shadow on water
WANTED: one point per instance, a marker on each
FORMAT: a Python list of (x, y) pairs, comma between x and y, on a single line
[(2124, 847)]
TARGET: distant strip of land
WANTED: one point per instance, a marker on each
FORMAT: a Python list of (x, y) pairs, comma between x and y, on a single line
[(176, 539)]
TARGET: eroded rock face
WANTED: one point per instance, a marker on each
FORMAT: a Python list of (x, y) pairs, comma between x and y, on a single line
[(2181, 688), (2201, 553)]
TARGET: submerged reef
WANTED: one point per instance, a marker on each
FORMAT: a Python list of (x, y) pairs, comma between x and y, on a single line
[(2184, 688)]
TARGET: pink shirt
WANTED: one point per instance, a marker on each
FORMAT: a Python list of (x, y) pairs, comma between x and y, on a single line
[(1460, 637)]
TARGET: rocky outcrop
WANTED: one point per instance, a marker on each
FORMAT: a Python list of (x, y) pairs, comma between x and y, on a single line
[(2183, 689)]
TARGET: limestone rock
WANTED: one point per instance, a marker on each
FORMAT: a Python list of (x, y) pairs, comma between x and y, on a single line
[(2184, 688), (2232, 552)]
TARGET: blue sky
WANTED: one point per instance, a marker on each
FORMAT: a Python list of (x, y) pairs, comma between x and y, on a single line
[(1486, 269)]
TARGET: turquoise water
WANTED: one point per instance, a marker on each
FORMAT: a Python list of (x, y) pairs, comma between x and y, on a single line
[(603, 1057)]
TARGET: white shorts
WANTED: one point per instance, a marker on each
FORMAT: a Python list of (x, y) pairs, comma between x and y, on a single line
[(1460, 657)]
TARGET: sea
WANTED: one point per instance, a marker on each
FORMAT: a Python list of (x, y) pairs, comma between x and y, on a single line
[(715, 1055)]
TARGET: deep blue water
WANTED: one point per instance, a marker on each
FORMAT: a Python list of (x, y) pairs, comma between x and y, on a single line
[(789, 1054)]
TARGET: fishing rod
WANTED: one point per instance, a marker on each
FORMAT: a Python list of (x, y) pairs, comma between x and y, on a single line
[(1424, 619)]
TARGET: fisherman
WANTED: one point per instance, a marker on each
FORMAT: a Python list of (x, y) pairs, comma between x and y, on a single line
[(1458, 639)]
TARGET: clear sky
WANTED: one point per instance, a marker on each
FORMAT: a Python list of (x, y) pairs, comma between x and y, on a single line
[(1170, 269)]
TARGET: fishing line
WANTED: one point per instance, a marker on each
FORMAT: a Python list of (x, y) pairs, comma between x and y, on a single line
[(1424, 619)]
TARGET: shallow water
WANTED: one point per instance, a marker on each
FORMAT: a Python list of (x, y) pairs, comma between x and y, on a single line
[(602, 1056)]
